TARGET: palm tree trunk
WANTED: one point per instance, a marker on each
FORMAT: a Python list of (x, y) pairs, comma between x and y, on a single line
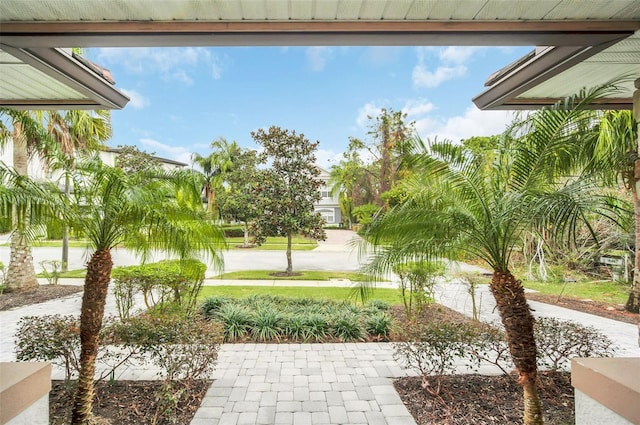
[(518, 323), (92, 312), (289, 263), (65, 229), (21, 274), (633, 302)]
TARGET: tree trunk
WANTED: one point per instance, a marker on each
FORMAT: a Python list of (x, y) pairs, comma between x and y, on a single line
[(246, 235), (91, 315), (633, 302), (518, 323), (21, 274), (65, 229), (289, 263)]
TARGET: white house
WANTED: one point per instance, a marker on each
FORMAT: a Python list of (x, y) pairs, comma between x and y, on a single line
[(328, 206), (37, 169)]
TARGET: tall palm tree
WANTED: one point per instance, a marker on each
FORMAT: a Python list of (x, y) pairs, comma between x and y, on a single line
[(27, 136), (215, 165), (76, 131), (153, 210), (615, 157), (460, 204)]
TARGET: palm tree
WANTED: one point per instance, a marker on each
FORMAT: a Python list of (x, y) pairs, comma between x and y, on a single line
[(215, 165), (458, 203), (28, 136), (76, 131), (148, 210), (614, 156)]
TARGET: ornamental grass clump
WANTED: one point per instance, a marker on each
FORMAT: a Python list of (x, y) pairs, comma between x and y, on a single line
[(267, 325), (348, 327), (236, 321)]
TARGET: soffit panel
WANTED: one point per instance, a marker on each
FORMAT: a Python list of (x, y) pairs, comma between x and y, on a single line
[(265, 10), (618, 61), (20, 81)]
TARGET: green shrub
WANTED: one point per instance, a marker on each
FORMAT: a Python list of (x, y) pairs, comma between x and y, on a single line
[(181, 347), (348, 327), (432, 350), (489, 345), (56, 339), (559, 341), (417, 284), (3, 278), (169, 280), (233, 231), (50, 338), (51, 270)]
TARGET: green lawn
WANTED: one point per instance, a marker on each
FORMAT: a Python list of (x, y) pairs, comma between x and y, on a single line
[(277, 243), (391, 296), (79, 273), (305, 275), (610, 292)]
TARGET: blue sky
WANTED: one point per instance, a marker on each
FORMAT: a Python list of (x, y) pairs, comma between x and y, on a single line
[(184, 98)]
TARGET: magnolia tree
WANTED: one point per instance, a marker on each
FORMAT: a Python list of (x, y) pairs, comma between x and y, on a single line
[(285, 192)]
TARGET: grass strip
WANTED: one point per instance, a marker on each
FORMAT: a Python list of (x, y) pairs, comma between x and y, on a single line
[(390, 296)]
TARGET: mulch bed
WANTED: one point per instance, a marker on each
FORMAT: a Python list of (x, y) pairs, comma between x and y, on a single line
[(484, 400), (597, 308), (9, 300), (131, 402)]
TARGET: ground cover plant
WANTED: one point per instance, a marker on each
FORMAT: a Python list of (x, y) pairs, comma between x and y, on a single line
[(267, 318)]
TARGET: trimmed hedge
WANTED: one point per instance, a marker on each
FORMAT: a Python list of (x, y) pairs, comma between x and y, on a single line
[(168, 281)]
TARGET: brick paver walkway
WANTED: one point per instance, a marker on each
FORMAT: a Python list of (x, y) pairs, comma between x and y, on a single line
[(301, 384)]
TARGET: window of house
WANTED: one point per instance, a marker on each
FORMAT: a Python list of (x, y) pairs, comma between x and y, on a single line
[(328, 216)]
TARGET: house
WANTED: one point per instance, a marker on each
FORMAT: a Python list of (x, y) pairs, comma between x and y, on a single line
[(328, 206), (37, 170)]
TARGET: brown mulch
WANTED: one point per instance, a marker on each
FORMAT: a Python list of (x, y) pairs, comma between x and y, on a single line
[(9, 300), (597, 308), (132, 402), (484, 400)]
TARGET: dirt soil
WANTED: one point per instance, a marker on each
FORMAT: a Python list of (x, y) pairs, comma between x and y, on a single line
[(598, 308), (483, 400), (9, 300), (132, 402)]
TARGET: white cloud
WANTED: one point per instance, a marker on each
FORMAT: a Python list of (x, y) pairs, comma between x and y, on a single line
[(452, 64), (171, 63), (317, 57), (364, 114), (457, 54), (422, 77), (176, 153), (325, 158), (474, 122), (138, 101), (417, 107)]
